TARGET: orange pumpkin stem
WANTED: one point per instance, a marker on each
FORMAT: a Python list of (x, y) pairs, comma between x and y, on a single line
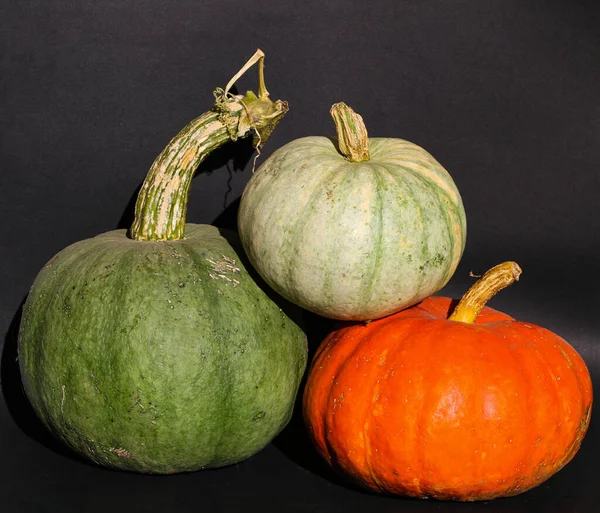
[(492, 282), (353, 140)]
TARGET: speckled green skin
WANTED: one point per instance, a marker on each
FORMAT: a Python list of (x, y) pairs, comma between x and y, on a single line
[(148, 357), (353, 240)]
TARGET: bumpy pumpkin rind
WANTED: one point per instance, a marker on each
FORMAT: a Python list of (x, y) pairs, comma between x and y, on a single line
[(158, 357)]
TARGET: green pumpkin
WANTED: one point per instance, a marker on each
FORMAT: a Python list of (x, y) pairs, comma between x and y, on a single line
[(157, 352), (355, 230)]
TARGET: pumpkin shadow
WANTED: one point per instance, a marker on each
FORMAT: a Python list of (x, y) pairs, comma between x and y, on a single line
[(294, 441), (227, 219), (16, 400)]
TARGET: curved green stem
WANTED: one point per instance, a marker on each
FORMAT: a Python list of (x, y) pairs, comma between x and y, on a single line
[(160, 210)]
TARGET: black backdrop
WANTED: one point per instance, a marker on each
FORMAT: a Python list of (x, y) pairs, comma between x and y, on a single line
[(502, 93)]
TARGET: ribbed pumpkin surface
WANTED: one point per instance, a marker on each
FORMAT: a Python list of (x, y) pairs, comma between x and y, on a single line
[(158, 356), (352, 240), (417, 405)]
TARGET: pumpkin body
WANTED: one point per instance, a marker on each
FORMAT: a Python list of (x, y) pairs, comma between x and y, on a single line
[(417, 405), (158, 357), (352, 240)]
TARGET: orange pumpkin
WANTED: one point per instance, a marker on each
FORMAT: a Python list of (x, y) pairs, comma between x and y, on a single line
[(468, 407)]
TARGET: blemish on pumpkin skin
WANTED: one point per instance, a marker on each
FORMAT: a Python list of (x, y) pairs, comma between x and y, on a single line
[(121, 453), (62, 401), (223, 266), (259, 416)]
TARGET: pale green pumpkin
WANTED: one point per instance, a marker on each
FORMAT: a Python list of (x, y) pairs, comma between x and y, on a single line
[(352, 229)]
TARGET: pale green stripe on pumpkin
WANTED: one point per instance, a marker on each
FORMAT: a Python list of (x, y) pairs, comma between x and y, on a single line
[(415, 169), (418, 190), (305, 213), (413, 196), (452, 204), (454, 217), (452, 249), (434, 171), (329, 280), (333, 249), (366, 290)]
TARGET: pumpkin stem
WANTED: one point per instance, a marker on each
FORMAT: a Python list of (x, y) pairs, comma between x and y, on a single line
[(161, 206), (353, 140), (492, 282)]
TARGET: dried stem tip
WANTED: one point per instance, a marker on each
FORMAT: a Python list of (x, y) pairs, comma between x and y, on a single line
[(353, 140), (492, 282)]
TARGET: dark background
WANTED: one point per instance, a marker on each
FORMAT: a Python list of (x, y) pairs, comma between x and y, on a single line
[(503, 93)]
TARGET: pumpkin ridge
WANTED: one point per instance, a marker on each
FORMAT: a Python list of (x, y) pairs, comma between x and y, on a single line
[(373, 343), (408, 187), (455, 253), (302, 219), (445, 207), (440, 178), (577, 441), (453, 199), (366, 290), (319, 433), (547, 367), (557, 342), (511, 485), (457, 247), (546, 339), (423, 418), (329, 407), (415, 324), (426, 337), (361, 349), (543, 359), (521, 362), (333, 252)]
